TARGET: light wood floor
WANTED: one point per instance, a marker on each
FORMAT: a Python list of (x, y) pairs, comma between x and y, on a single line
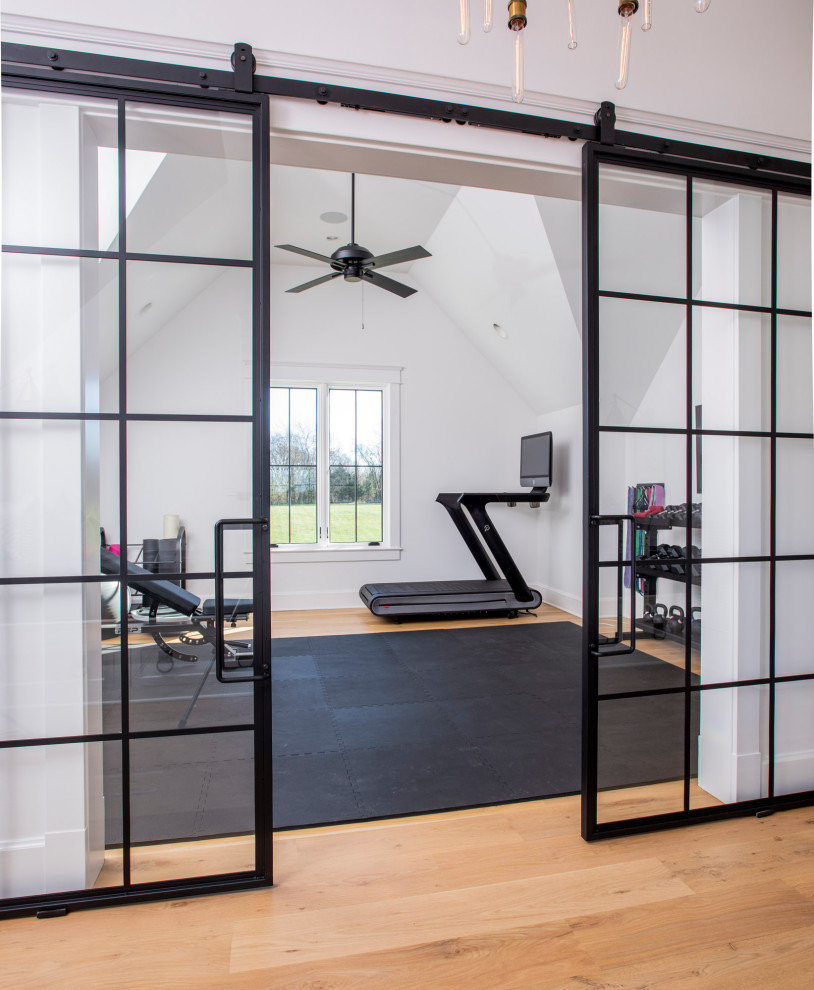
[(506, 898), (350, 621)]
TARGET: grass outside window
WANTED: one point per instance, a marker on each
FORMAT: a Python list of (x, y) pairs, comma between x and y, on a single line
[(350, 522)]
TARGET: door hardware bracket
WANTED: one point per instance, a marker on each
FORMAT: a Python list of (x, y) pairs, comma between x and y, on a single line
[(605, 120), (244, 64)]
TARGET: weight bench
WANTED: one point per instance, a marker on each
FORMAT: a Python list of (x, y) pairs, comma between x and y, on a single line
[(191, 622)]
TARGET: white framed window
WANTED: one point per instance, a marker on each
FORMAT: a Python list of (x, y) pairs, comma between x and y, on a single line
[(335, 479)]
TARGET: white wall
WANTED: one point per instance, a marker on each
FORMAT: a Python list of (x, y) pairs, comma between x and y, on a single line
[(559, 541), (461, 428)]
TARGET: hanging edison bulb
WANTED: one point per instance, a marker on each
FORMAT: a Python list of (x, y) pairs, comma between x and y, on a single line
[(487, 15), (572, 26), (627, 8), (647, 21), (702, 5), (517, 23), (463, 22), (518, 83)]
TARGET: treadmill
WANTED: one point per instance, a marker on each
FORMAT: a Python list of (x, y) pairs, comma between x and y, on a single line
[(494, 594)]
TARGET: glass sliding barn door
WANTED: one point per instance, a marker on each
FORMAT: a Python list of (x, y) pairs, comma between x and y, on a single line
[(134, 630), (699, 541)]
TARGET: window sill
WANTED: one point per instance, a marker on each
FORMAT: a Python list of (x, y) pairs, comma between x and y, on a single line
[(344, 555)]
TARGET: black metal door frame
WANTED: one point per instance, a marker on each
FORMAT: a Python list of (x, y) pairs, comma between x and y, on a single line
[(255, 106), (594, 156)]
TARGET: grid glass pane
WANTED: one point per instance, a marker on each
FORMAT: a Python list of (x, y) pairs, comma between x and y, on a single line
[(627, 460), (642, 362), (794, 252), (170, 669), (67, 199), (188, 788), (640, 756), (279, 426), (303, 505), (57, 676), (795, 482), (293, 509), (731, 375), (369, 428), (56, 474), (342, 428), (369, 508), (303, 426), (189, 182), (356, 454), (732, 624), (59, 335), (732, 237), (795, 401), (204, 468), (735, 476), (730, 737), (794, 737), (61, 810), (794, 648), (280, 517), (342, 493), (642, 220), (189, 339)]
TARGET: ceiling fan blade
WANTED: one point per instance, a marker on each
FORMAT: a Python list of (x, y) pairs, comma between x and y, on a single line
[(390, 284), (398, 257), (307, 254), (316, 281)]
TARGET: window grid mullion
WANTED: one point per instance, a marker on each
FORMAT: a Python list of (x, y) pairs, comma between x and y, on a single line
[(290, 469), (323, 465), (355, 465)]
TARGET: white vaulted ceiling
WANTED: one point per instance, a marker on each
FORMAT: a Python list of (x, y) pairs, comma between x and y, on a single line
[(492, 263)]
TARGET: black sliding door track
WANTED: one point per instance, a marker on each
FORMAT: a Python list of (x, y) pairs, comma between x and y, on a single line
[(49, 64)]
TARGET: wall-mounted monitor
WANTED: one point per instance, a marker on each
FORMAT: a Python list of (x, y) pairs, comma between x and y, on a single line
[(535, 460)]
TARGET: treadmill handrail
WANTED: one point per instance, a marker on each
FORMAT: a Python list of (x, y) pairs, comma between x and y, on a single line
[(475, 503), (452, 503)]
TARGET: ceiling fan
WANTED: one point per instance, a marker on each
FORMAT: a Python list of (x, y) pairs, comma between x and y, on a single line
[(355, 263)]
